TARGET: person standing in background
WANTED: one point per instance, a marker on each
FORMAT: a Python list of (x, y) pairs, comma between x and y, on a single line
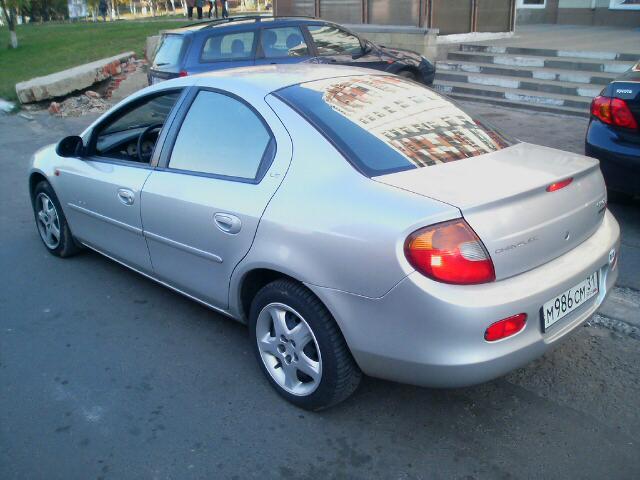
[(190, 5), (199, 5), (103, 9), (225, 8), (213, 5)]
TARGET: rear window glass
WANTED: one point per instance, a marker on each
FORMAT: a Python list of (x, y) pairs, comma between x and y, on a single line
[(385, 124), (169, 51), (232, 46)]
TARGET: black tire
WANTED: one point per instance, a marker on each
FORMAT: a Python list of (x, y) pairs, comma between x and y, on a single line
[(340, 375), (66, 245), (408, 74)]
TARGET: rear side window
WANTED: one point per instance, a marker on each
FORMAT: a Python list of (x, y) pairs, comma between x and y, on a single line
[(385, 124), (169, 52), (283, 42), (230, 46), (221, 136)]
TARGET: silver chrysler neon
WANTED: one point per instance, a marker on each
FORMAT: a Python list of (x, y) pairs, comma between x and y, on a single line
[(357, 222)]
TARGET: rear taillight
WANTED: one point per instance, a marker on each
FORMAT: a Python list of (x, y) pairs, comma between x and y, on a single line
[(613, 111), (559, 185), (183, 73), (505, 327), (450, 252)]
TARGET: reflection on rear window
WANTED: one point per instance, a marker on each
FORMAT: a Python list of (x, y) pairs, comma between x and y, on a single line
[(385, 124), (169, 51)]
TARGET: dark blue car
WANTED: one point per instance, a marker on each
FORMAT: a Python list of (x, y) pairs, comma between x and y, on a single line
[(245, 41), (613, 135)]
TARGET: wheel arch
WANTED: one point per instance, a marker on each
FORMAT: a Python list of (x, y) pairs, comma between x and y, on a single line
[(251, 283), (34, 179)]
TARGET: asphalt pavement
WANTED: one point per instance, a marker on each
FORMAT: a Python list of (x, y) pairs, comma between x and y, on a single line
[(104, 374)]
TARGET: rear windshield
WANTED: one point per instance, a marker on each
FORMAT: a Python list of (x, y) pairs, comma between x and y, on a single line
[(385, 124), (168, 54)]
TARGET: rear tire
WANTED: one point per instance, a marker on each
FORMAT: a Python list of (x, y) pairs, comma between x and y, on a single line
[(318, 371), (51, 223)]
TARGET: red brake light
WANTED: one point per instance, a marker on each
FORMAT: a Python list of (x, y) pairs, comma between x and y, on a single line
[(183, 73), (558, 185), (613, 111), (450, 252), (622, 116), (505, 328)]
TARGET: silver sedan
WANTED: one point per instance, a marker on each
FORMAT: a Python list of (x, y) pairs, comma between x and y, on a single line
[(357, 222)]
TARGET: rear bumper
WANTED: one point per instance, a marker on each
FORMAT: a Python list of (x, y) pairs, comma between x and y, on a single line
[(619, 160), (427, 333)]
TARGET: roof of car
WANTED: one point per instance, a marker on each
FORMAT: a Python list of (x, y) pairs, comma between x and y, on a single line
[(265, 79), (269, 78), (236, 22)]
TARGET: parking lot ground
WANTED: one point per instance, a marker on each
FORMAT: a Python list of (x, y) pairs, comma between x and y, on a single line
[(104, 374)]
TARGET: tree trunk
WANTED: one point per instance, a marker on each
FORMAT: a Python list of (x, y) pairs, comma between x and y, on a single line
[(10, 15)]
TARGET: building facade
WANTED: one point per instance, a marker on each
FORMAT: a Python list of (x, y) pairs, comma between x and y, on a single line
[(463, 16), (619, 13), (449, 16)]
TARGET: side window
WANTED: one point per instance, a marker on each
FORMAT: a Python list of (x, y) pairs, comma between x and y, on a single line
[(331, 40), (118, 136), (232, 46), (283, 42), (222, 136)]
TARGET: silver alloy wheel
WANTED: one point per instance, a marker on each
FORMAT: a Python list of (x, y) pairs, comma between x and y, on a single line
[(48, 221), (289, 349)]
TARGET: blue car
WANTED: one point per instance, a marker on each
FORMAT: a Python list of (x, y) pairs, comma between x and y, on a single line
[(245, 41), (613, 135)]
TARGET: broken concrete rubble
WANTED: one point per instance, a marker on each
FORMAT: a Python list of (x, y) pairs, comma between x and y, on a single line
[(71, 80)]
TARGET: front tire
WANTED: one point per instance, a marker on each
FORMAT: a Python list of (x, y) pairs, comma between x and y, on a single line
[(408, 74), (300, 348), (51, 222)]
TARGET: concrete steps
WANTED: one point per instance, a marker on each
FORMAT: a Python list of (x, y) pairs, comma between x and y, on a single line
[(540, 79)]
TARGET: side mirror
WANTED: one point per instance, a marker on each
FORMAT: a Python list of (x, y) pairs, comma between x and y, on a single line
[(71, 146), (365, 49)]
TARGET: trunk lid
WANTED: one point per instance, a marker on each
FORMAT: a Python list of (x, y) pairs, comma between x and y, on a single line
[(503, 197)]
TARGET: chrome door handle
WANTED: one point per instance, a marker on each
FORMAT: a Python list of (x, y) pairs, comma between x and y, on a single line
[(126, 196), (227, 223)]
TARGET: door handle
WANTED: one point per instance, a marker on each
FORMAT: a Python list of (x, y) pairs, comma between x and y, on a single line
[(227, 223), (126, 196)]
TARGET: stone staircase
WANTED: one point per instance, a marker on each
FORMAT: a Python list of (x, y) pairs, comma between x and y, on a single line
[(538, 79)]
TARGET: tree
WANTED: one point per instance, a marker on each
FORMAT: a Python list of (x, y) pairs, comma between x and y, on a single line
[(10, 11)]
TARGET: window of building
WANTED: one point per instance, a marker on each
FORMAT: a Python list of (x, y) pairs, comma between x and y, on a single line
[(624, 4), (221, 136), (532, 3)]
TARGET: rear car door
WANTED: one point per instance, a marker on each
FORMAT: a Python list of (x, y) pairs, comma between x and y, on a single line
[(336, 45), (285, 44), (218, 50), (102, 190), (224, 161)]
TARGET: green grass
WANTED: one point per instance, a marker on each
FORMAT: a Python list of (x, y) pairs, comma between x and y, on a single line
[(49, 48)]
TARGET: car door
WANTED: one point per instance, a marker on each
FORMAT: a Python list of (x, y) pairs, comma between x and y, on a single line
[(224, 161), (286, 44), (335, 45), (101, 191), (221, 50)]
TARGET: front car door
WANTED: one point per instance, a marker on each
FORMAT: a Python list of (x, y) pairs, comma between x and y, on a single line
[(282, 45), (336, 45), (102, 190), (201, 207)]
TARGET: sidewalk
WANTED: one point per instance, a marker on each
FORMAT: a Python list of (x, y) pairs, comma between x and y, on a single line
[(572, 37)]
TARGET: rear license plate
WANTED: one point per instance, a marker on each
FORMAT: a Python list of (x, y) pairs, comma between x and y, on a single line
[(565, 303)]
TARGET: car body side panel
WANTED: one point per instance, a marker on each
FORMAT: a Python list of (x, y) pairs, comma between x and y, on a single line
[(329, 225)]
